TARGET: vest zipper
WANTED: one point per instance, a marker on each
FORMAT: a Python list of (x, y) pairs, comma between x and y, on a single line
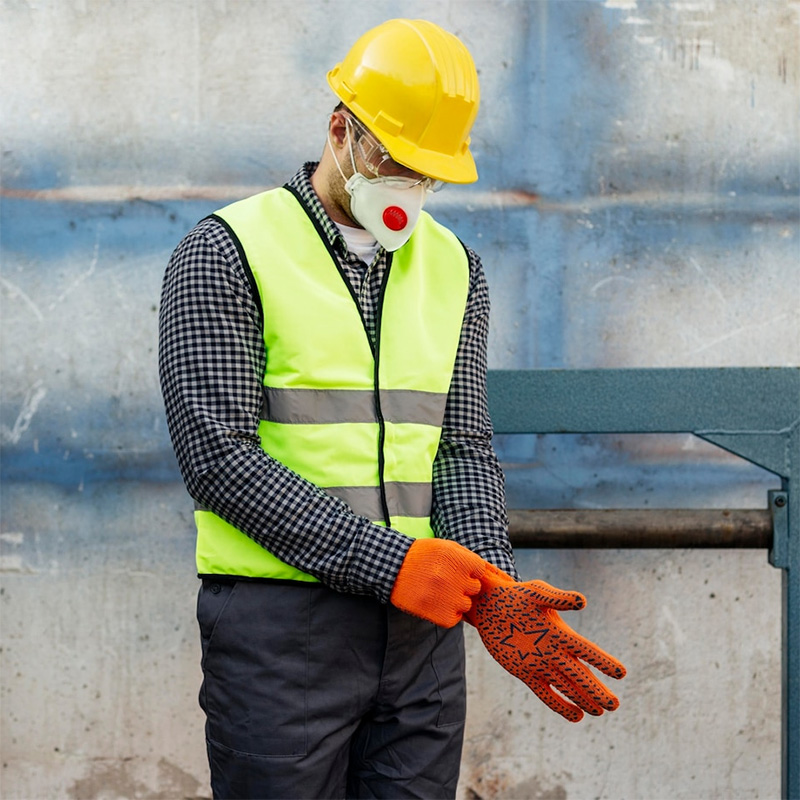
[(381, 420)]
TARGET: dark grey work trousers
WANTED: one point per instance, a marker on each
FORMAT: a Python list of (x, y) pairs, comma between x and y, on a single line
[(309, 693)]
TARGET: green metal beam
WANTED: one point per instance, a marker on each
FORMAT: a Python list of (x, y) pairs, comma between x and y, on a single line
[(750, 408)]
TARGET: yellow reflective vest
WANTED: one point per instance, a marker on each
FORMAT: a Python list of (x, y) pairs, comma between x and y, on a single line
[(362, 423)]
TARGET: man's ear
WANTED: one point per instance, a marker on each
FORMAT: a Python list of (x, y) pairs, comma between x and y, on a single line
[(337, 129)]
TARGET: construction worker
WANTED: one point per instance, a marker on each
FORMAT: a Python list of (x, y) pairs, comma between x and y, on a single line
[(323, 365)]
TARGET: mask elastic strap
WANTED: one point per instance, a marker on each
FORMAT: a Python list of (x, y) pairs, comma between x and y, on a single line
[(350, 149)]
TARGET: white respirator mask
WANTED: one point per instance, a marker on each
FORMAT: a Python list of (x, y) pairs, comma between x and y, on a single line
[(386, 206)]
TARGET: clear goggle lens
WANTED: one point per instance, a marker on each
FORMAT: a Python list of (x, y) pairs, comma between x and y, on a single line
[(378, 161)]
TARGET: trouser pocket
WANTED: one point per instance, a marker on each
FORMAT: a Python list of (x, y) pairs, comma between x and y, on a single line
[(255, 666), (448, 663)]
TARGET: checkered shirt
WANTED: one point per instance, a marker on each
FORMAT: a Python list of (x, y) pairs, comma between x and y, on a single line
[(212, 360)]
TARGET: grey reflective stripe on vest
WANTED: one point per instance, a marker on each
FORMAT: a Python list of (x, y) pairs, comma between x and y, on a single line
[(318, 406), (324, 406), (403, 499), (421, 408)]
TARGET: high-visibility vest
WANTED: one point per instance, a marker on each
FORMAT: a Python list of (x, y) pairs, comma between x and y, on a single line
[(363, 424)]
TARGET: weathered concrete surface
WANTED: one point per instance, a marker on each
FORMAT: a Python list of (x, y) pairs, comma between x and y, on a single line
[(638, 206)]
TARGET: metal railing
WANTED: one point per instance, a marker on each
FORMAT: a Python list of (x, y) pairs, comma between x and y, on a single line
[(634, 528), (751, 412)]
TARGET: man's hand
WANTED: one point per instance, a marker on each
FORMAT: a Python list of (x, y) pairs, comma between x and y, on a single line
[(520, 626), (437, 581)]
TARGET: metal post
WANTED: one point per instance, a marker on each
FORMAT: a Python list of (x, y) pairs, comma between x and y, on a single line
[(785, 554)]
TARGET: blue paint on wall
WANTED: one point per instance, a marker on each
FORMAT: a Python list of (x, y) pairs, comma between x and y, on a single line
[(527, 253), (55, 231)]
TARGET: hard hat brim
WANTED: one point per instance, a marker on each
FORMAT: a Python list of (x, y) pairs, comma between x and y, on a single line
[(449, 169)]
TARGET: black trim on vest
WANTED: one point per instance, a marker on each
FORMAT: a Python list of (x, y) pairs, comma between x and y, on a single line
[(246, 265), (230, 578), (377, 383)]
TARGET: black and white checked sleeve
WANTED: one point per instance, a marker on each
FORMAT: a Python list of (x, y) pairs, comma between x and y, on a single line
[(211, 363), (469, 504)]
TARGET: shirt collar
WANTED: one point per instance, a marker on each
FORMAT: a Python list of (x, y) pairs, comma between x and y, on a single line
[(301, 183)]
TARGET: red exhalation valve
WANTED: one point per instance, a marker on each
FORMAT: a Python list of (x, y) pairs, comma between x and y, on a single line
[(394, 218)]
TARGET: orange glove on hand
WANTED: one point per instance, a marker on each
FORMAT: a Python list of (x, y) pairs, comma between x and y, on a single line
[(437, 581), (522, 630)]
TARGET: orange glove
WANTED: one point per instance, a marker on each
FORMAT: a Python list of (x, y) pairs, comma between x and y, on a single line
[(522, 630), (437, 581)]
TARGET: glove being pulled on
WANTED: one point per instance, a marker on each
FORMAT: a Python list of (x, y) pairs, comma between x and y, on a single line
[(437, 581), (521, 628)]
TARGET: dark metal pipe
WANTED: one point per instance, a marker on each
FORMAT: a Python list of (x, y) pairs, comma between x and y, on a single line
[(641, 528)]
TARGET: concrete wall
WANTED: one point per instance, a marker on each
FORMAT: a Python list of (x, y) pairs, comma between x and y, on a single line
[(638, 206)]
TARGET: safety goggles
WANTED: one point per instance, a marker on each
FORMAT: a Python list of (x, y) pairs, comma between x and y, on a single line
[(378, 161)]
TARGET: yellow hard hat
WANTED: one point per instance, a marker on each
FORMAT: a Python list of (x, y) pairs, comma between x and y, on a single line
[(415, 86)]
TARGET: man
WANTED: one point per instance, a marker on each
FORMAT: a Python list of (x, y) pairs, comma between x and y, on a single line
[(323, 364)]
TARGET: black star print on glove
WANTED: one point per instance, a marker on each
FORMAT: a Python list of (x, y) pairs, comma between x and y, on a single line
[(520, 626)]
